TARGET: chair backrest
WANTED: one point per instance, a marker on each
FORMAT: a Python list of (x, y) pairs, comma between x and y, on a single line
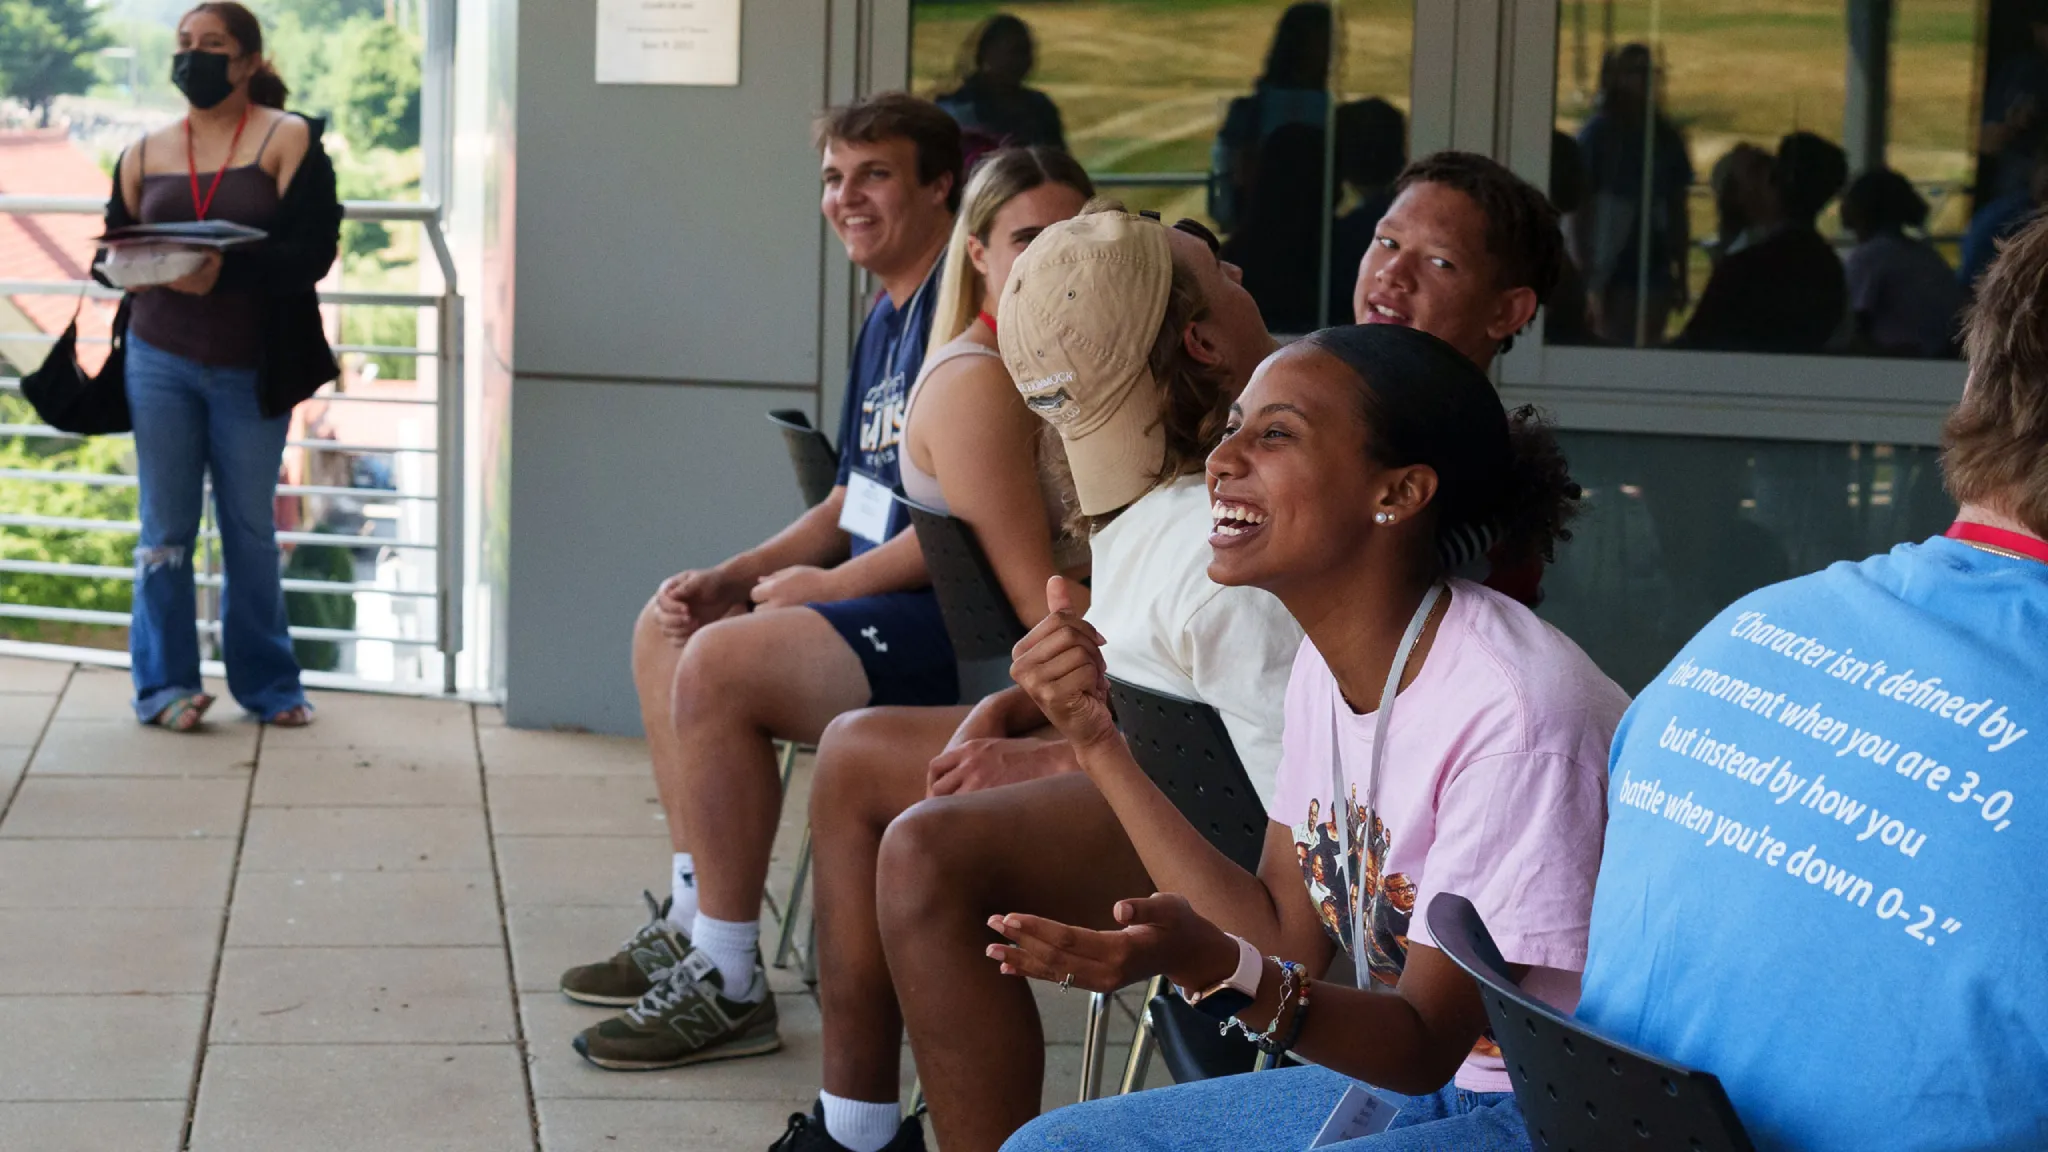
[(979, 620), (1578, 1091), (1185, 749), (810, 453)]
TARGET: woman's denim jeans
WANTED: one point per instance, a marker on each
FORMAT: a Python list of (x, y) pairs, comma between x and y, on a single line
[(1276, 1111), (192, 420)]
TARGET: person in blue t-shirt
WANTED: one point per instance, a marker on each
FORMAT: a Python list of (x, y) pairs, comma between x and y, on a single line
[(831, 614), (1827, 834)]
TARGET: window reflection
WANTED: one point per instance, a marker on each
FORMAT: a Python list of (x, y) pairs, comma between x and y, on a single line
[(1217, 110), (1795, 176), (1676, 528)]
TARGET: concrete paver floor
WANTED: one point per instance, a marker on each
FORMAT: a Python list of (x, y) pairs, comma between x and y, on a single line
[(346, 936)]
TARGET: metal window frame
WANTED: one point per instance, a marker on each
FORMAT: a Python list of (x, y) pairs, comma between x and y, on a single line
[(1507, 50)]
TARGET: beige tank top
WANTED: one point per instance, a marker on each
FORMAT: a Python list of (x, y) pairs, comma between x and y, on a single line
[(1068, 552)]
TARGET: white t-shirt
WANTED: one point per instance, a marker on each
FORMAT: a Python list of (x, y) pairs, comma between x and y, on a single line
[(1172, 629)]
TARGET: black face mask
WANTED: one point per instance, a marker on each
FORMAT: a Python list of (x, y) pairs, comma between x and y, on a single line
[(202, 77)]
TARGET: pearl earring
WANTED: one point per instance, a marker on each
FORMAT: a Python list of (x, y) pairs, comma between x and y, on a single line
[(1383, 517)]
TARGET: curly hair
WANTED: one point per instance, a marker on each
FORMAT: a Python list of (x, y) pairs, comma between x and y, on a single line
[(1541, 498)]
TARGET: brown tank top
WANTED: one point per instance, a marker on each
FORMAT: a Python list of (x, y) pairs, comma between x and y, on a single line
[(222, 328)]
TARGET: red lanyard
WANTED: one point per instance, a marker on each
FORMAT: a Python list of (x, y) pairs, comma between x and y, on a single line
[(192, 165), (2010, 543), (989, 320)]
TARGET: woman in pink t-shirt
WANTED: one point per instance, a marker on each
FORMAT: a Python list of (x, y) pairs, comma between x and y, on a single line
[(1361, 464)]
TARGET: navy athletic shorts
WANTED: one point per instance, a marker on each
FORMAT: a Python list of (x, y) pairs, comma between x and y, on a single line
[(901, 641)]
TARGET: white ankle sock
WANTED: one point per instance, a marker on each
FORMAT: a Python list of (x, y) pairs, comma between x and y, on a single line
[(733, 945), (859, 1125), (682, 891)]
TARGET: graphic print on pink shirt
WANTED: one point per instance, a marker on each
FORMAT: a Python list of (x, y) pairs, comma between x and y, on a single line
[(1388, 901), (1494, 787)]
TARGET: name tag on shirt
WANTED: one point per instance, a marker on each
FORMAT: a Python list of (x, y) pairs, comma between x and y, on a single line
[(866, 511), (1359, 1113)]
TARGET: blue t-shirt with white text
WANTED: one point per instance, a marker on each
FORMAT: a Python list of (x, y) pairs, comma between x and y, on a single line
[(886, 360), (1825, 852)]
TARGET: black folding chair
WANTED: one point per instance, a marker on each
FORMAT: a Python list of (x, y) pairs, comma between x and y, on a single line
[(1184, 748), (810, 453), (979, 620), (1578, 1091), (817, 472)]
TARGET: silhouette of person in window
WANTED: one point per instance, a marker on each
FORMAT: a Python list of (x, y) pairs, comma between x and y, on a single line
[(1608, 232), (1784, 291), (1904, 296), (992, 100), (2002, 217), (1278, 244), (2015, 124), (1565, 319), (1293, 89)]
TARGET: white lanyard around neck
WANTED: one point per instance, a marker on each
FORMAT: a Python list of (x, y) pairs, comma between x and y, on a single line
[(1351, 874)]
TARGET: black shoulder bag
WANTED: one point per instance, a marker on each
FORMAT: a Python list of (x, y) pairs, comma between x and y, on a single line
[(68, 399)]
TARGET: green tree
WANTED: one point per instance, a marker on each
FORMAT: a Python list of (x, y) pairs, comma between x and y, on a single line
[(46, 50), (102, 455), (324, 13), (378, 105)]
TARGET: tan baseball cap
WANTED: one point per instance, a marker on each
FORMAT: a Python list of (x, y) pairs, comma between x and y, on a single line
[(1076, 325)]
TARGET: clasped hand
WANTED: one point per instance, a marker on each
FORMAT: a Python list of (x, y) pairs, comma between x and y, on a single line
[(1059, 664), (687, 601)]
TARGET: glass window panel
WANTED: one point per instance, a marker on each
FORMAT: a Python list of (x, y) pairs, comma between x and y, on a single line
[(1846, 238), (1185, 107), (1674, 529)]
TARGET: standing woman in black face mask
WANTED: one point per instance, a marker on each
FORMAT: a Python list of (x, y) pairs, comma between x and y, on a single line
[(217, 358)]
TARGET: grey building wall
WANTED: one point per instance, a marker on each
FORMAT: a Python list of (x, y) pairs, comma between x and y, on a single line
[(670, 283)]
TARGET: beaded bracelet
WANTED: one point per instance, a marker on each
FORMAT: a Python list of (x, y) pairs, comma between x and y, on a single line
[(1300, 1014)]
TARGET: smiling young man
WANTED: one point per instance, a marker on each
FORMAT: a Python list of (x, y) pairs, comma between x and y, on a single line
[(830, 614), (1466, 252)]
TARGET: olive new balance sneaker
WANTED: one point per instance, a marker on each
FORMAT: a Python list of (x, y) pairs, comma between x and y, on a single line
[(684, 1019), (622, 980)]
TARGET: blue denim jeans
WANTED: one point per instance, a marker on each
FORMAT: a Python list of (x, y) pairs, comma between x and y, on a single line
[(1276, 1111), (192, 420)]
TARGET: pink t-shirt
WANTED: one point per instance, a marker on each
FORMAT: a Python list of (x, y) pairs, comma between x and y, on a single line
[(1494, 787)]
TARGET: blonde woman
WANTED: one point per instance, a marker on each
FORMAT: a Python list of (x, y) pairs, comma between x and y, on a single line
[(971, 447)]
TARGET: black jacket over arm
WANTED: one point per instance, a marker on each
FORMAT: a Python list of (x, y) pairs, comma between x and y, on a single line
[(281, 271)]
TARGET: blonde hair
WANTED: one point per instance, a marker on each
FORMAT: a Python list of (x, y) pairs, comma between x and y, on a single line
[(999, 177)]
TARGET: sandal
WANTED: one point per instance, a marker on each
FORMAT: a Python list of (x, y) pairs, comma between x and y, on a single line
[(184, 713), (296, 716)]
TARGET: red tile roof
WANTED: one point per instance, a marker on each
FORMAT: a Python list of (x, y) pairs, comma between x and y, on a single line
[(44, 162)]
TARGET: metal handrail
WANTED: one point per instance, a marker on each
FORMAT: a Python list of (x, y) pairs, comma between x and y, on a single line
[(45, 432), (122, 480), (211, 627), (291, 584), (448, 450)]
